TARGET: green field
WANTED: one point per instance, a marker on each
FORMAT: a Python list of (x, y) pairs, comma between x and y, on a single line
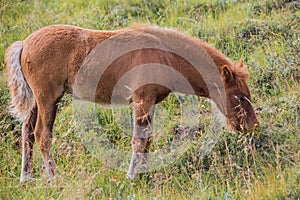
[(263, 165)]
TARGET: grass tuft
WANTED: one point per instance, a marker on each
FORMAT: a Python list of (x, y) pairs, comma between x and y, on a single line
[(263, 165)]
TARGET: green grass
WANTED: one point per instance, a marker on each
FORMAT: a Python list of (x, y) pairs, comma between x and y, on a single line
[(240, 166)]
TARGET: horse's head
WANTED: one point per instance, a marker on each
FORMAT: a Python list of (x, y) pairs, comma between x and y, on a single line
[(240, 114)]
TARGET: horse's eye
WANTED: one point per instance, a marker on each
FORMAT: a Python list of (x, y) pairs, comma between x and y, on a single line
[(239, 98)]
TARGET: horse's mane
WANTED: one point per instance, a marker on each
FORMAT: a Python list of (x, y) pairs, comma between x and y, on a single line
[(239, 71), (220, 60)]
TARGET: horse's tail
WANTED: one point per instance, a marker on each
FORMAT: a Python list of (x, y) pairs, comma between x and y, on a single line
[(22, 99)]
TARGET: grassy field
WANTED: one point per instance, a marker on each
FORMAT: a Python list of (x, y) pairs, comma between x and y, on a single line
[(263, 165)]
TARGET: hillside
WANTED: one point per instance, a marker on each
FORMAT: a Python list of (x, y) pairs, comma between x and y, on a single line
[(260, 165)]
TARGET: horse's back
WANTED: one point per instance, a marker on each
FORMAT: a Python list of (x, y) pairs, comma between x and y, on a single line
[(52, 55)]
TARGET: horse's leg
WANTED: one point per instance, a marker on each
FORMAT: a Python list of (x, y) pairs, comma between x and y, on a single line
[(143, 118), (43, 131), (27, 144)]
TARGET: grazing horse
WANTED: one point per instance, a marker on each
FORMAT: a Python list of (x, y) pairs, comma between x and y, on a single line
[(47, 64)]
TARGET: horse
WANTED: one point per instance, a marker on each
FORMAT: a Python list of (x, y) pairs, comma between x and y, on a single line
[(61, 59)]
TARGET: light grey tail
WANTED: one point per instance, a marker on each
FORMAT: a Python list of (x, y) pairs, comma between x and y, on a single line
[(22, 99)]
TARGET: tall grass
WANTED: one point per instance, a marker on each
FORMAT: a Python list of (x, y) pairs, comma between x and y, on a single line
[(263, 165)]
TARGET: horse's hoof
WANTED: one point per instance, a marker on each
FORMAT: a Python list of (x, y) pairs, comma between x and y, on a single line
[(131, 175)]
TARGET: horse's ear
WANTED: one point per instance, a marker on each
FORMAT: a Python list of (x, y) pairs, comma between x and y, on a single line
[(241, 63), (226, 74)]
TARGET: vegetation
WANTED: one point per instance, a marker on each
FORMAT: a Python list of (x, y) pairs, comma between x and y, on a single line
[(262, 165)]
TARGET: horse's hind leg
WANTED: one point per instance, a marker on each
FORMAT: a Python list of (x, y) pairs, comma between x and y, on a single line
[(27, 144), (43, 130), (143, 117)]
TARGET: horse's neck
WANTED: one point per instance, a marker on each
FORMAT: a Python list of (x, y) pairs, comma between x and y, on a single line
[(196, 79), (206, 76), (219, 59)]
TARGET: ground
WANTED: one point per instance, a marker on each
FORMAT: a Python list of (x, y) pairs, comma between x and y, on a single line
[(262, 165)]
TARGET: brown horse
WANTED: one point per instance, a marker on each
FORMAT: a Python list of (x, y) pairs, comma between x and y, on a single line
[(57, 59)]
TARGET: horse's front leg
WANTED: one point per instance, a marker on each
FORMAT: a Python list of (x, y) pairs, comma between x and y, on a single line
[(143, 129)]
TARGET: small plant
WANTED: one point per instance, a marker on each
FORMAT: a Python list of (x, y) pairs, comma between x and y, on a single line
[(259, 165)]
